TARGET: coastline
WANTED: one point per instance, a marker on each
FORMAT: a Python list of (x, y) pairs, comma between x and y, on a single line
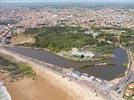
[(40, 89), (76, 91), (101, 68)]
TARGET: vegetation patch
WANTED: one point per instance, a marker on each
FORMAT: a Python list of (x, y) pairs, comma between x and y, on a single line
[(16, 70), (86, 66), (132, 50), (125, 64), (60, 38), (22, 38)]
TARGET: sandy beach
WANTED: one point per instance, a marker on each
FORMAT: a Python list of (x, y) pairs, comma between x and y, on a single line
[(48, 87), (40, 89)]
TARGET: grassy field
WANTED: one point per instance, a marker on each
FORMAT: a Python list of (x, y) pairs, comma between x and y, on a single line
[(22, 38)]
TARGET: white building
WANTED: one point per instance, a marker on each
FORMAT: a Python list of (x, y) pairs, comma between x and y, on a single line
[(85, 76), (74, 74), (82, 54)]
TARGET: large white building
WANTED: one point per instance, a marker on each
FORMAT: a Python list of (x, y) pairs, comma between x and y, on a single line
[(82, 54)]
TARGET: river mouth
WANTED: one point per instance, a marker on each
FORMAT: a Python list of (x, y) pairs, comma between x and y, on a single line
[(104, 72)]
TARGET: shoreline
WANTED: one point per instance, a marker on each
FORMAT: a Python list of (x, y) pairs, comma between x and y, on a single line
[(78, 92), (101, 64), (28, 89), (116, 80)]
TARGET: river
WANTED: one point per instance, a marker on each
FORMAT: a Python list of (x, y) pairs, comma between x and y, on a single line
[(104, 72)]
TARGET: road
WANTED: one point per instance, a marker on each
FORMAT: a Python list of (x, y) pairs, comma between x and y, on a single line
[(119, 88)]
